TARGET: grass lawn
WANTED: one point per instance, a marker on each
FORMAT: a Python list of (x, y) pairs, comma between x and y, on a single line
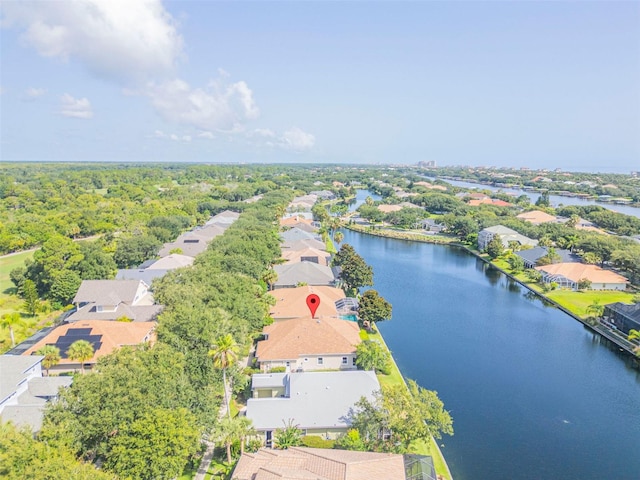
[(8, 263), (578, 302)]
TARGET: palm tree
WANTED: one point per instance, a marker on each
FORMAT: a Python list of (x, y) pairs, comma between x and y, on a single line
[(596, 309), (80, 350), (225, 354), (634, 335), (339, 236), (245, 429), (226, 433), (51, 355), (11, 320), (270, 277)]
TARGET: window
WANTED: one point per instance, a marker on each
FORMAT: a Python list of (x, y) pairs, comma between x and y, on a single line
[(353, 361), (320, 361), (344, 360), (288, 364)]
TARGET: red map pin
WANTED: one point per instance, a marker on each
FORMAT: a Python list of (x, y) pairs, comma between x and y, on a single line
[(313, 302)]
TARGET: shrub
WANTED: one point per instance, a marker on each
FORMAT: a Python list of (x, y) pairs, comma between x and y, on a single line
[(278, 369), (314, 441)]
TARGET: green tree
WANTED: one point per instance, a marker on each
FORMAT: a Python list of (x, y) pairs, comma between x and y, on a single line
[(351, 441), (80, 350), (596, 309), (370, 355), (133, 251), (338, 237), (31, 299), (516, 264), (24, 457), (64, 287), (355, 271), (10, 321), (633, 335), (373, 308), (96, 264), (225, 354), (156, 445), (543, 200), (592, 258), (51, 355), (289, 436), (495, 248), (584, 284)]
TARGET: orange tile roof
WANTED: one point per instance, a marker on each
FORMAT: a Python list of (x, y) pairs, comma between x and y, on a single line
[(389, 208), (318, 464), (536, 217), (291, 221), (292, 302), (291, 339), (114, 335), (490, 201), (578, 271), (295, 255)]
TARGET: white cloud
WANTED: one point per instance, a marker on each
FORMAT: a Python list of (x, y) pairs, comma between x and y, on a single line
[(33, 93), (296, 139), (262, 132), (119, 39), (75, 107), (207, 135), (221, 106), (172, 136)]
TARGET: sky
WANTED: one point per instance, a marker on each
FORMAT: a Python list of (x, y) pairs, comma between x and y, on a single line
[(514, 83)]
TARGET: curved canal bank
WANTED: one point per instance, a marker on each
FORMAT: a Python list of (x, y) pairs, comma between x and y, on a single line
[(533, 393)]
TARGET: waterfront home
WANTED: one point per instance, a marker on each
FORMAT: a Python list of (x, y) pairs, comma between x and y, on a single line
[(314, 255), (104, 337), (302, 244), (293, 274), (24, 392), (490, 201), (113, 300), (302, 203), (305, 343), (295, 234), (625, 317), (568, 275), (532, 255), (389, 208), (318, 463), (506, 235), (319, 403), (536, 217), (292, 302)]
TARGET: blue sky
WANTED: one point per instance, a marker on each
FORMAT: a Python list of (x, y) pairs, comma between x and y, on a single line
[(537, 84)]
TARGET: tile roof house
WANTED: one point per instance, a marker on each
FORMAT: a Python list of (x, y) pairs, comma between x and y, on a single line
[(114, 299), (490, 201), (24, 392), (568, 275), (305, 343), (190, 244), (318, 464), (292, 274), (532, 255), (302, 244), (292, 302), (389, 208), (625, 317), (295, 220), (104, 336), (506, 235), (537, 217), (171, 262), (295, 234), (314, 255), (319, 402)]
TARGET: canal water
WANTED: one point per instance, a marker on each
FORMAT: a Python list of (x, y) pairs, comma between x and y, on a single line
[(533, 393)]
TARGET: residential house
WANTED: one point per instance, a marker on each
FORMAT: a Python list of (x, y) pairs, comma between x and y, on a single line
[(302, 245), (317, 463), (532, 255), (430, 225), (305, 343), (506, 235), (104, 337), (304, 202), (225, 218), (536, 217), (320, 403), (568, 275), (189, 243), (293, 274), (314, 255), (490, 201), (140, 274), (172, 261), (292, 302), (295, 234), (389, 208), (113, 300), (625, 317), (24, 392), (324, 194)]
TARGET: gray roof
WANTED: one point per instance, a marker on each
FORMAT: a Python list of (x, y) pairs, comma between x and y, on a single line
[(291, 274), (13, 370), (147, 276), (190, 245), (171, 262), (317, 400), (532, 255), (269, 380), (210, 231), (107, 292), (294, 245), (294, 234), (630, 311), (227, 217), (137, 313), (48, 386), (24, 415)]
